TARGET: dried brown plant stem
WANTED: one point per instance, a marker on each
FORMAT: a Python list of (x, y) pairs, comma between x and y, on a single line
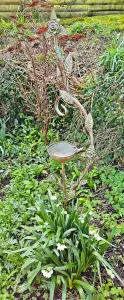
[(39, 111), (46, 126), (62, 72), (64, 184)]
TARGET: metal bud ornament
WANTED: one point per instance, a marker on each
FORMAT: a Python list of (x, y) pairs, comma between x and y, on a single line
[(53, 27)]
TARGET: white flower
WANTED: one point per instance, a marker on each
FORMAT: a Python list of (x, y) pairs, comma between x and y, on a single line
[(47, 274), (110, 273), (97, 237), (64, 212), (92, 232), (91, 213), (53, 198), (81, 220), (61, 247), (57, 205), (77, 242)]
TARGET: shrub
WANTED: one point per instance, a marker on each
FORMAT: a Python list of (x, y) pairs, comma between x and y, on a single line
[(10, 98), (106, 89), (80, 27)]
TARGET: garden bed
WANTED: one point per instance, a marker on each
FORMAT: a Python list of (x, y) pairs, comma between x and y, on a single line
[(31, 205)]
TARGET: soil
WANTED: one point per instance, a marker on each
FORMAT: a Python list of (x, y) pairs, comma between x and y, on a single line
[(88, 52), (72, 295), (3, 185)]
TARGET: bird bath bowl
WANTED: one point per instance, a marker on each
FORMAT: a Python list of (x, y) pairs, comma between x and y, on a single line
[(62, 151)]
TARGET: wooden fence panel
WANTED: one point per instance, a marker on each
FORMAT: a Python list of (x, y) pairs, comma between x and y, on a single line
[(64, 2), (66, 8)]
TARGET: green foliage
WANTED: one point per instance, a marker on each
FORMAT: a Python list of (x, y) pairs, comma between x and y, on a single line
[(76, 28), (100, 24), (107, 105), (104, 195), (80, 27), (109, 23), (62, 247), (106, 88), (2, 137), (5, 25), (113, 58), (28, 175), (108, 291), (10, 98), (114, 182)]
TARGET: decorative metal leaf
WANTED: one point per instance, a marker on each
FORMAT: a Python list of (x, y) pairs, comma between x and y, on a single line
[(62, 30), (58, 52), (89, 122), (58, 72), (69, 64), (83, 182), (90, 153), (57, 108), (67, 97), (53, 27), (53, 15), (71, 194)]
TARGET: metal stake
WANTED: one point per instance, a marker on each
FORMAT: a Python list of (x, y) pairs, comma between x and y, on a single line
[(64, 184)]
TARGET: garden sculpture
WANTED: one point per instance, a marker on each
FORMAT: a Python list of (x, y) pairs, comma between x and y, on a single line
[(64, 151)]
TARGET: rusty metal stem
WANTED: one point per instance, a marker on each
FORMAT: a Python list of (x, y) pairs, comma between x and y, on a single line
[(64, 184)]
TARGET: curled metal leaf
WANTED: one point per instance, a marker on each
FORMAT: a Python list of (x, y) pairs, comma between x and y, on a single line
[(67, 97), (58, 72), (62, 30), (68, 64), (90, 153), (53, 27), (72, 101), (89, 122), (53, 15), (58, 110)]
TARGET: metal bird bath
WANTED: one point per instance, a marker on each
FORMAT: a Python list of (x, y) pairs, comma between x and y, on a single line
[(63, 152)]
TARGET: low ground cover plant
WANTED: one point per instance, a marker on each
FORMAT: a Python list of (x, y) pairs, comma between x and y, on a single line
[(101, 24)]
